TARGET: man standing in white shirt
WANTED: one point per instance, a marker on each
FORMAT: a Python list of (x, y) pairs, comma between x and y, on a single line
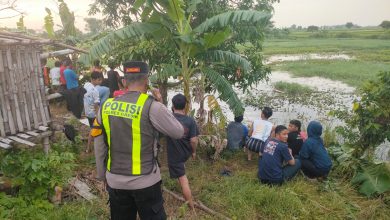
[(92, 101), (55, 76)]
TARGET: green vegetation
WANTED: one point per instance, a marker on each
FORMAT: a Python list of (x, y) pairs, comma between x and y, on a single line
[(366, 127), (361, 49), (34, 175), (16, 208), (368, 48), (369, 122), (385, 24), (198, 46), (293, 89), (178, 41), (356, 33), (352, 72), (241, 196)]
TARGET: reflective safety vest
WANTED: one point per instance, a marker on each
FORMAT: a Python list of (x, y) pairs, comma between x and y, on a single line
[(130, 135)]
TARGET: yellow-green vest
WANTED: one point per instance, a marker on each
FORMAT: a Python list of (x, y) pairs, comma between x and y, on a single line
[(129, 134)]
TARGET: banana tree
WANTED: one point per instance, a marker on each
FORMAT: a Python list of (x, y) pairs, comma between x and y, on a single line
[(197, 48)]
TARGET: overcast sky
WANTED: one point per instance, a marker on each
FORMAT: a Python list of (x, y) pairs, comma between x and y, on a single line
[(287, 12), (331, 12)]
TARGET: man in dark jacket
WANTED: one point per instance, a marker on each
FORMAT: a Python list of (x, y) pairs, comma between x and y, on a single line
[(315, 160)]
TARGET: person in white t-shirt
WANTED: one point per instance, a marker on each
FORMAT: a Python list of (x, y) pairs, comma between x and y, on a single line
[(55, 75), (92, 101), (259, 132)]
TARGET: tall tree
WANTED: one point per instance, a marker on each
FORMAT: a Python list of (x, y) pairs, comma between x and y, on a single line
[(20, 24), (116, 13), (385, 24), (122, 12), (94, 25), (197, 48), (67, 19), (49, 24), (349, 25)]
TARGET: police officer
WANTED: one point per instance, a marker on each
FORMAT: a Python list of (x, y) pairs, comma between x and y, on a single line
[(126, 151)]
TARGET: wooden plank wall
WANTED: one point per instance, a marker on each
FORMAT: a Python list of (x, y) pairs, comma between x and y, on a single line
[(23, 103)]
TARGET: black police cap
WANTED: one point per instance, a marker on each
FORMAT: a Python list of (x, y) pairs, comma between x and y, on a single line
[(135, 67)]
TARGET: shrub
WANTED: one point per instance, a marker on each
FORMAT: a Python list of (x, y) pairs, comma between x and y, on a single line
[(36, 173), (366, 127), (293, 89), (344, 35)]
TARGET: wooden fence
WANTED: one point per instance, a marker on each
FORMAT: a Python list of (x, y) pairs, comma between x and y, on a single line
[(23, 104)]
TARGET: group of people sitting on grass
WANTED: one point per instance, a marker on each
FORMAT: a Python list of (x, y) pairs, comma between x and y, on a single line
[(283, 151)]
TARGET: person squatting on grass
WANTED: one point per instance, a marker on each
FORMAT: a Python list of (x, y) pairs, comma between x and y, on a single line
[(294, 140), (92, 101), (274, 153), (315, 160), (259, 132), (236, 134), (180, 150)]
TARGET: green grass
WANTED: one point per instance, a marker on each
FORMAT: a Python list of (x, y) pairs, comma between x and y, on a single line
[(362, 49), (241, 196), (293, 89), (352, 72), (369, 56), (363, 33), (81, 210)]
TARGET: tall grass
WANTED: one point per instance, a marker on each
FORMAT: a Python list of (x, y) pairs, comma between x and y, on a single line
[(352, 72), (361, 33), (241, 196), (293, 89), (361, 49)]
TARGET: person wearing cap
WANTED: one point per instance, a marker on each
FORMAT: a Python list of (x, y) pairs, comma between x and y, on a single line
[(126, 150), (180, 150)]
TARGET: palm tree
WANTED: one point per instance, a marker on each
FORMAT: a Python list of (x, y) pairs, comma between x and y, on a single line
[(196, 47)]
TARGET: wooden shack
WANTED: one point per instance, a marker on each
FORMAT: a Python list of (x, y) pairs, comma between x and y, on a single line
[(22, 92), (24, 109)]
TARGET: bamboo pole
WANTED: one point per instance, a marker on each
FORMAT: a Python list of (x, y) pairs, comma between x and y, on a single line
[(29, 68), (40, 84), (14, 88), (198, 205), (23, 83), (41, 41), (56, 53), (2, 129), (4, 78), (23, 69), (18, 85), (18, 88), (3, 113), (4, 92), (43, 93)]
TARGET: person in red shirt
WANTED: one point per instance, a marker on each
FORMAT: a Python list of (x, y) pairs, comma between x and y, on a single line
[(62, 77), (121, 91)]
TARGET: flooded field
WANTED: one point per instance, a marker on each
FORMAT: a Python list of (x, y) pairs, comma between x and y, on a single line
[(312, 56), (326, 96)]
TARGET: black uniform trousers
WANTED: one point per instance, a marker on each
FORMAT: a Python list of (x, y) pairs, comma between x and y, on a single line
[(147, 202)]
